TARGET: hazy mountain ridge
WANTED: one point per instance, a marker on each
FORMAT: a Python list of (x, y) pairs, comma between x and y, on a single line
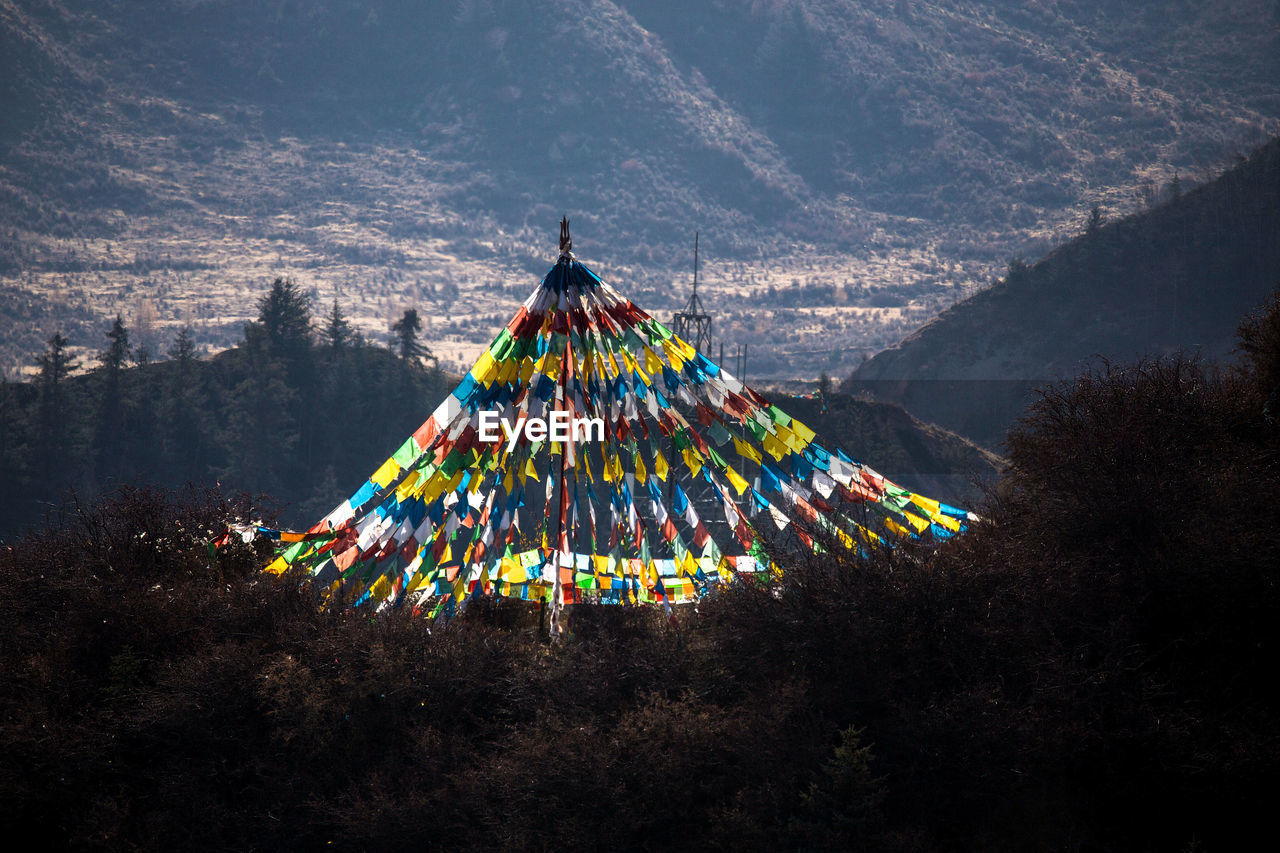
[(1175, 278), (1003, 103), (398, 151)]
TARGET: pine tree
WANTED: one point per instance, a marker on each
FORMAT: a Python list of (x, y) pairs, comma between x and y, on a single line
[(279, 343), (337, 331), (54, 416), (284, 316), (56, 364), (406, 331), (117, 352), (109, 426), (12, 451), (183, 350), (186, 434), (1095, 220), (261, 431)]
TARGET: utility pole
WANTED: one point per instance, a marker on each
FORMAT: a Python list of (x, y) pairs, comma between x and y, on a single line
[(693, 324)]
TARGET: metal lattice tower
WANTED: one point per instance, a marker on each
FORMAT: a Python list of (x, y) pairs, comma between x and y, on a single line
[(693, 324)]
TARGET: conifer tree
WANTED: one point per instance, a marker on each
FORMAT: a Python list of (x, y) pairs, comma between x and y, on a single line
[(337, 331), (117, 352), (406, 331), (285, 316), (109, 426), (1095, 220), (12, 467), (54, 424), (186, 435)]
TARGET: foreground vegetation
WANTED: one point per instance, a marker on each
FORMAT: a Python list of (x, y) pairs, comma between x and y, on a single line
[(1090, 668)]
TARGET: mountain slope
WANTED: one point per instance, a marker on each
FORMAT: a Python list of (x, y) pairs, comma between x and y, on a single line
[(919, 456), (864, 159), (1177, 277)]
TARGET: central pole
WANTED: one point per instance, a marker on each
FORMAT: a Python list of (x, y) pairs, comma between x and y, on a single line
[(557, 590), (695, 271)]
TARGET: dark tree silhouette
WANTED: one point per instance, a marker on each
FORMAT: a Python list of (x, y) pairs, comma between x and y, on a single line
[(337, 331), (185, 431), (183, 350), (109, 428), (285, 317), (1095, 220), (117, 352), (406, 331), (56, 364), (54, 432)]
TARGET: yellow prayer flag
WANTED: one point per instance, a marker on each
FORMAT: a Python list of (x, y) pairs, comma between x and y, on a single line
[(747, 450), (660, 466), (510, 370), (673, 355), (600, 565), (484, 368), (916, 521), (932, 507), (787, 437), (406, 488), (550, 365), (381, 589), (896, 528), (802, 432), (434, 487), (773, 446), (948, 522), (735, 480), (386, 473), (652, 364), (691, 459)]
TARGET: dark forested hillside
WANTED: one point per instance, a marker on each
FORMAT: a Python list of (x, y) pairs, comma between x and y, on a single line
[(1176, 277), (1092, 667), (921, 456), (295, 413)]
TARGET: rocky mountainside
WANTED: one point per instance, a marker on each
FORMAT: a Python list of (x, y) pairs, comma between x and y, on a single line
[(852, 166), (1178, 277)]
